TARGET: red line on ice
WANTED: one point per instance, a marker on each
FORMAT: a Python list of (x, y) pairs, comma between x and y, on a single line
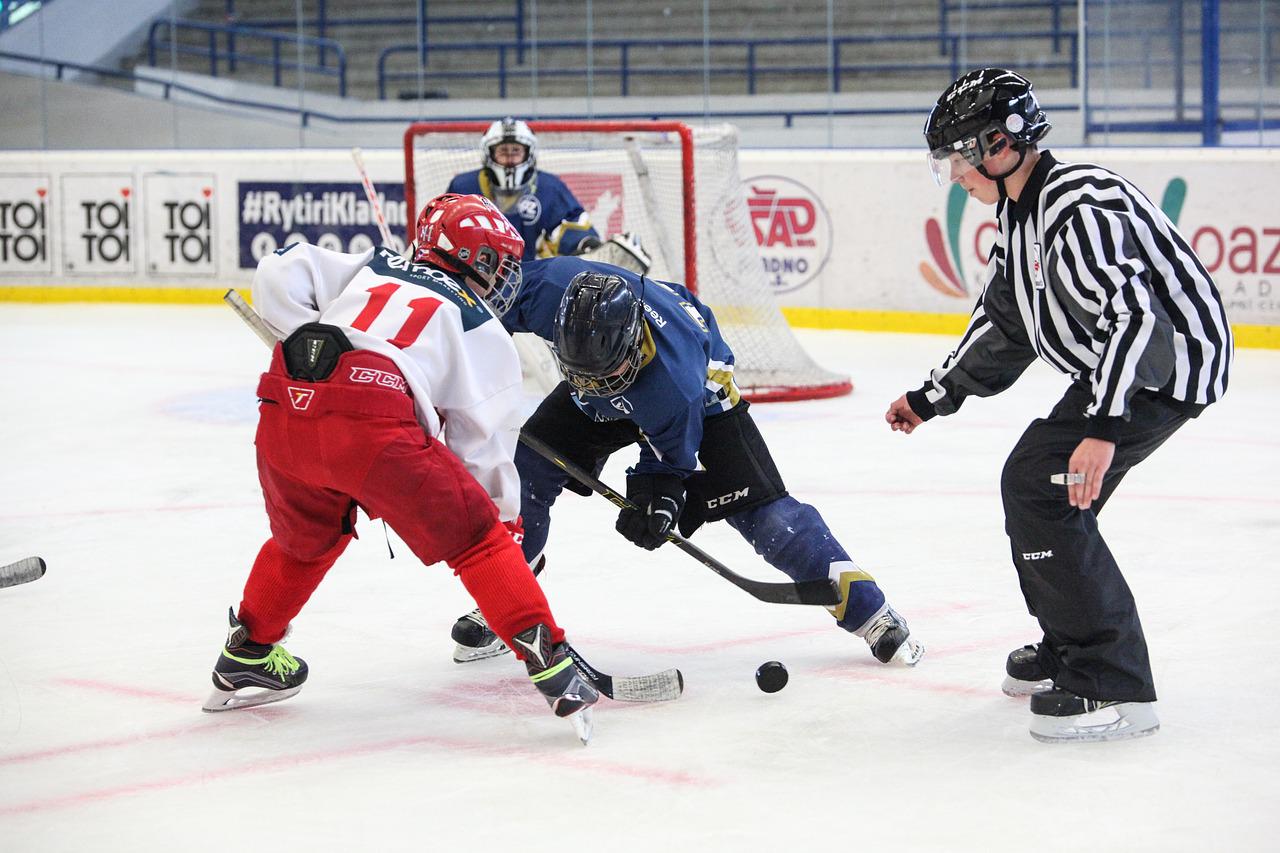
[(202, 777)]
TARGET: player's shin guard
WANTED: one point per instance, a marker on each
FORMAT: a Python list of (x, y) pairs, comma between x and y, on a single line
[(495, 573), (473, 638), (279, 585)]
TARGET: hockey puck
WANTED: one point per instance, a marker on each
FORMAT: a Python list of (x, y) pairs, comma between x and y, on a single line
[(771, 676)]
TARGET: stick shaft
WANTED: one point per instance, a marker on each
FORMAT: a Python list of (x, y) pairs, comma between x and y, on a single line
[(250, 317), (821, 591), (372, 196)]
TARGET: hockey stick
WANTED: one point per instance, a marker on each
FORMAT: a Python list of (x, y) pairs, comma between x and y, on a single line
[(250, 317), (23, 571), (659, 687), (372, 196), (819, 591), (650, 200)]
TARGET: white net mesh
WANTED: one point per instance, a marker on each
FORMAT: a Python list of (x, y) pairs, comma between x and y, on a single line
[(630, 178)]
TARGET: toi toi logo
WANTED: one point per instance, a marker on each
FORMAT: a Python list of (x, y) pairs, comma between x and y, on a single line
[(792, 229)]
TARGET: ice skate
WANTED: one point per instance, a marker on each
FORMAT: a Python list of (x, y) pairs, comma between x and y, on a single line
[(1060, 716), (552, 671), (890, 639), (249, 674), (1023, 674), (474, 639)]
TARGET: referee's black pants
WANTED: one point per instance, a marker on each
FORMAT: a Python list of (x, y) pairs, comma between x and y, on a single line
[(1093, 643)]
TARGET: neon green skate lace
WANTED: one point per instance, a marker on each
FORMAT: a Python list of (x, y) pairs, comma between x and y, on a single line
[(277, 662)]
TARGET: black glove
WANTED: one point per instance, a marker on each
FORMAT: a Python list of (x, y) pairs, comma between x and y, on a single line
[(659, 499)]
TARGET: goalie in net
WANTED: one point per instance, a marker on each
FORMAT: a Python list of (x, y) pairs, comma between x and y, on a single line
[(676, 191)]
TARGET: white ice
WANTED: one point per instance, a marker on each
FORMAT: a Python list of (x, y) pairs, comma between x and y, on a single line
[(128, 465)]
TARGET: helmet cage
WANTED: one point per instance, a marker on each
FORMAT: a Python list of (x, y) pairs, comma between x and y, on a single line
[(606, 386), (466, 234), (591, 364), (509, 179)]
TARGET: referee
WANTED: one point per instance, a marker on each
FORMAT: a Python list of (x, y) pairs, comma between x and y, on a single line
[(1089, 275)]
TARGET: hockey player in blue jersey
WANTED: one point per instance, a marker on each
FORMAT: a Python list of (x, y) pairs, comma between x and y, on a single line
[(545, 212), (646, 365)]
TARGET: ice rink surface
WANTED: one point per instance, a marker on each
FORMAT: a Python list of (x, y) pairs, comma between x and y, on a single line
[(128, 465)]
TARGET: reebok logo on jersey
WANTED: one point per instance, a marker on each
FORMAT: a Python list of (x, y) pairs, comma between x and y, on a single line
[(384, 378), (657, 318), (301, 397), (728, 499), (1037, 555)]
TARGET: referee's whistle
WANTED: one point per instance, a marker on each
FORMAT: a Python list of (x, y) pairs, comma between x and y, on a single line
[(1067, 479)]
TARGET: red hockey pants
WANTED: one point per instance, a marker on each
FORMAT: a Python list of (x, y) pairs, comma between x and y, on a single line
[(324, 447)]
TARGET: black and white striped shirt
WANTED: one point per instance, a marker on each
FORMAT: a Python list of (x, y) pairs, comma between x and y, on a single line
[(1092, 277)]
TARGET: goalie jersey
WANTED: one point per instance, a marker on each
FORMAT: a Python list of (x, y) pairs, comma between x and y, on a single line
[(460, 366), (687, 368), (548, 216)]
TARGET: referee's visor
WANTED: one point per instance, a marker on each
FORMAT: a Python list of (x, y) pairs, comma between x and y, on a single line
[(950, 162)]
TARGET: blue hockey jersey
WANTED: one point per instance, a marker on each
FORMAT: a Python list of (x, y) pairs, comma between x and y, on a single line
[(687, 372), (548, 216)]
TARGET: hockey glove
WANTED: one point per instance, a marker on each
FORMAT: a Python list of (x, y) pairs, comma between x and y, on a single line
[(659, 499)]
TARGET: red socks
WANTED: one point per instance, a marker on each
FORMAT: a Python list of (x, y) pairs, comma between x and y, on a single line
[(278, 587), (496, 575)]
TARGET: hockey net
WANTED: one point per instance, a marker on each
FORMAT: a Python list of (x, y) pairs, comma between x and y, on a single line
[(678, 188)]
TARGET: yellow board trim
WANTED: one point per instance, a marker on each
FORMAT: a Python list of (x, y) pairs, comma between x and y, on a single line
[(918, 322), (154, 295)]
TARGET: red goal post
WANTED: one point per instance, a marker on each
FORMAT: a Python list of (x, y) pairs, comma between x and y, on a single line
[(678, 187)]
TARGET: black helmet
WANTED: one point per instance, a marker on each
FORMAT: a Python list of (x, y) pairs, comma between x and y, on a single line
[(974, 109), (598, 332)]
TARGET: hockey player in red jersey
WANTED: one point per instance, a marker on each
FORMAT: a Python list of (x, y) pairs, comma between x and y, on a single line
[(378, 352)]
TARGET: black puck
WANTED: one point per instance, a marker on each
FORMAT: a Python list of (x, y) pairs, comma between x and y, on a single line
[(771, 676)]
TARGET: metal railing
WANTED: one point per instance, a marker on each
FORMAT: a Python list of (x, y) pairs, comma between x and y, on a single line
[(163, 37), (322, 22), (749, 67), (307, 116), (945, 7)]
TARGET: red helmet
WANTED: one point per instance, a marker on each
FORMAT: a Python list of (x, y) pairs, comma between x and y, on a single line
[(467, 234)]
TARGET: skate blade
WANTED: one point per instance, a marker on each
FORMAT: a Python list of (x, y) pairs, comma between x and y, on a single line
[(231, 700), (468, 654), (1019, 689), (583, 724), (1119, 722), (908, 654)]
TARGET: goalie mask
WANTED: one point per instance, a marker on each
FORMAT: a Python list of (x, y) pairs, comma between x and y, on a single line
[(509, 178), (466, 234), (598, 333), (978, 115)]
